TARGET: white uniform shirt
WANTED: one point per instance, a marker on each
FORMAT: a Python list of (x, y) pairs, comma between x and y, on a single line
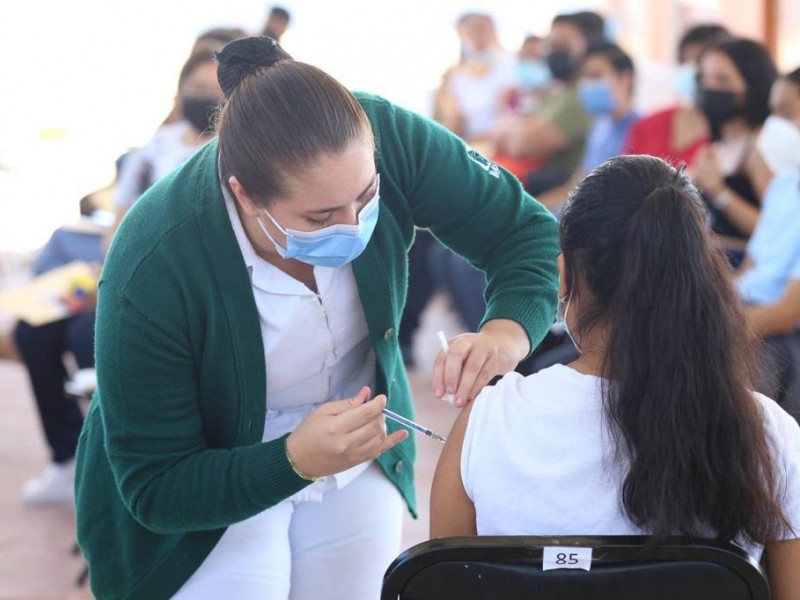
[(538, 459), (316, 345)]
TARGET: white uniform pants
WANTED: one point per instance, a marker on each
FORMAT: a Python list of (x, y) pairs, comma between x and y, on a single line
[(337, 548)]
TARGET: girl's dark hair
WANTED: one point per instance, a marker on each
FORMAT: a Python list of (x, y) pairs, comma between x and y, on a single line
[(758, 70), (279, 115), (677, 387)]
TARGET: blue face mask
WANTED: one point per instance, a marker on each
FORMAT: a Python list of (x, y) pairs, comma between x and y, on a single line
[(333, 246), (686, 81), (533, 74), (596, 96)]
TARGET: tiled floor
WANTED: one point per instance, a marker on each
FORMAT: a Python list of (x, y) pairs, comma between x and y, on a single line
[(35, 543)]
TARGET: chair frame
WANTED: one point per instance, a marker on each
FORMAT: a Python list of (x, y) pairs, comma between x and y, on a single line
[(607, 550)]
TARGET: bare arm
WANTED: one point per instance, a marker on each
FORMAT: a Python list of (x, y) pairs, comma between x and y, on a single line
[(779, 317), (530, 136), (452, 512), (783, 559), (736, 209)]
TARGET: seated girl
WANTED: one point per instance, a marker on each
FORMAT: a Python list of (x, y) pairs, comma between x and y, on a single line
[(654, 429)]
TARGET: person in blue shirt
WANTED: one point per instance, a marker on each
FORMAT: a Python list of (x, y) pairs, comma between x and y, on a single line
[(769, 282), (605, 90)]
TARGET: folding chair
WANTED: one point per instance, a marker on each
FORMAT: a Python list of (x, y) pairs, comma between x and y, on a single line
[(574, 567)]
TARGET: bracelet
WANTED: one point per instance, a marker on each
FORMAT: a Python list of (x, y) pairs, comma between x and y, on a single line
[(297, 471), (722, 200)]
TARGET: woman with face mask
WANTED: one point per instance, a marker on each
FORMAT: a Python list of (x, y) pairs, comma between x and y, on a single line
[(247, 340), (198, 96), (677, 133), (735, 77), (468, 101), (654, 429)]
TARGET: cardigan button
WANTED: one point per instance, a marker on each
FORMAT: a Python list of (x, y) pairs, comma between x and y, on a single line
[(399, 466), (388, 334)]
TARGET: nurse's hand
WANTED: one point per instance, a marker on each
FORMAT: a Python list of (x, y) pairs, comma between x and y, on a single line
[(341, 434), (474, 359)]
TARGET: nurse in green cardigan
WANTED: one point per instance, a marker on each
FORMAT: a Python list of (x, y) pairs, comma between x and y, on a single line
[(246, 340)]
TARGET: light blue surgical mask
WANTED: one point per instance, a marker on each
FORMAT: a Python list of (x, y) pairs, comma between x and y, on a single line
[(333, 246), (596, 96), (686, 82), (533, 74)]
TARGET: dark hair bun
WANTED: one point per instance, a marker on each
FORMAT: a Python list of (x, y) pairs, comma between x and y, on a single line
[(243, 57)]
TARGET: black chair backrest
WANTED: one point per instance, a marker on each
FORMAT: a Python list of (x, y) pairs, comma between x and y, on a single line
[(621, 568)]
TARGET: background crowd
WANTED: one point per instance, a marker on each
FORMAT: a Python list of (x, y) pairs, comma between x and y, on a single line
[(550, 110)]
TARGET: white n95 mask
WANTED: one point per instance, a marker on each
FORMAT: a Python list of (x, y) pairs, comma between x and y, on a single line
[(779, 144)]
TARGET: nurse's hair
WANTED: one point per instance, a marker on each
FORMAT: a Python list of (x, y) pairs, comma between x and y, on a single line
[(677, 355), (279, 116)]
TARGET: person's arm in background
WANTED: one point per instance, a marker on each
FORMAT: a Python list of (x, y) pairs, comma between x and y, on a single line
[(560, 121), (445, 106), (779, 317), (481, 212), (759, 173), (531, 135), (708, 177), (452, 512), (130, 185)]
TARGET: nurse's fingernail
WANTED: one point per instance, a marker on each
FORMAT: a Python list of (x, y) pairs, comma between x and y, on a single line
[(437, 392), (450, 389)]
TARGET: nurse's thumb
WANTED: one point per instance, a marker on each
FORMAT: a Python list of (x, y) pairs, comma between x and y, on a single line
[(339, 406)]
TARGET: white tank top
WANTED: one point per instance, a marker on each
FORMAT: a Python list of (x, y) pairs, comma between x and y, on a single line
[(538, 459)]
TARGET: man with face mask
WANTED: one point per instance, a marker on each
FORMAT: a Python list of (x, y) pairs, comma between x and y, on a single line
[(769, 280), (605, 90), (555, 136)]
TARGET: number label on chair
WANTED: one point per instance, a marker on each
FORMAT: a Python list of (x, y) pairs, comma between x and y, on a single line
[(566, 557)]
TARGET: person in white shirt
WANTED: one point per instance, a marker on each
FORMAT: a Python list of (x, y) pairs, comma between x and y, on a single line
[(199, 94), (654, 429), (468, 102)]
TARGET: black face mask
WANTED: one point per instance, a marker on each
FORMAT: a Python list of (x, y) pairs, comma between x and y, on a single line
[(561, 64), (719, 107), (199, 111)]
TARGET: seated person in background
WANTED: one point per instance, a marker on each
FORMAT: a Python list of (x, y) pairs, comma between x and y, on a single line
[(606, 92), (530, 81), (42, 350), (207, 43), (678, 132), (735, 79), (777, 143), (544, 148), (769, 280), (654, 430), (198, 94), (469, 98)]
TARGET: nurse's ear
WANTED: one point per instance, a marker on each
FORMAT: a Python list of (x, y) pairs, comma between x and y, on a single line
[(250, 208)]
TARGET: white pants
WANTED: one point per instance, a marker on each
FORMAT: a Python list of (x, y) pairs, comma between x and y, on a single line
[(303, 550)]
